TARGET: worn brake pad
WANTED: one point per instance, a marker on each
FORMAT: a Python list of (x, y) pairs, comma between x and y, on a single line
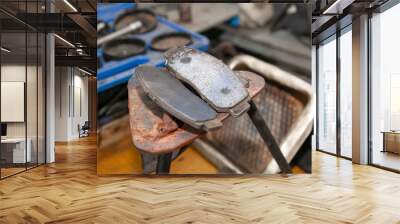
[(171, 95), (155, 132), (211, 78)]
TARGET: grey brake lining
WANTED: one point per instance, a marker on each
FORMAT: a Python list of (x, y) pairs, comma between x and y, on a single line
[(171, 95), (211, 78)]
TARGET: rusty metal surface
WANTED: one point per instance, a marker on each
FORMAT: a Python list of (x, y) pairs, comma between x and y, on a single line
[(170, 40), (211, 78), (155, 131)]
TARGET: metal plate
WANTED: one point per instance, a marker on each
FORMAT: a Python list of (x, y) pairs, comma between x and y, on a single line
[(286, 104), (120, 49), (170, 40), (171, 95), (154, 131), (211, 78), (147, 18)]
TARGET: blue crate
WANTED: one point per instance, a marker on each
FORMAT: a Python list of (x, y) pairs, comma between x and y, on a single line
[(114, 73)]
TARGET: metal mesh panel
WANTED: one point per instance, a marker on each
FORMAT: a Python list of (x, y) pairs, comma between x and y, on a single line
[(239, 140)]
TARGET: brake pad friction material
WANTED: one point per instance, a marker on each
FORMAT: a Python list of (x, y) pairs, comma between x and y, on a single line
[(215, 82), (171, 95)]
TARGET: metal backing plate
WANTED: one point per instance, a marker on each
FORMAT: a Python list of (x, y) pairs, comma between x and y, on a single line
[(120, 49), (147, 18), (171, 95), (210, 77), (170, 40)]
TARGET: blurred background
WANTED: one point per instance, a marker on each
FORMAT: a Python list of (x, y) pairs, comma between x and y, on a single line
[(266, 34)]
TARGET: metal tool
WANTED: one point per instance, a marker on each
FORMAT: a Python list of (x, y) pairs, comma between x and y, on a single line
[(172, 96), (119, 33), (211, 78)]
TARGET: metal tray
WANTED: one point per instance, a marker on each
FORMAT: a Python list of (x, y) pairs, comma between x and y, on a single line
[(286, 104)]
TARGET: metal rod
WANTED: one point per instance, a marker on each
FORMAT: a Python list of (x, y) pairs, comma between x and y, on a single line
[(268, 138), (163, 163), (338, 97), (112, 36)]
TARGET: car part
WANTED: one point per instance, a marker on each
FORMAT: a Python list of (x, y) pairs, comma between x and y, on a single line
[(170, 40), (286, 105), (146, 17), (155, 131), (172, 96), (120, 49), (119, 33), (211, 78)]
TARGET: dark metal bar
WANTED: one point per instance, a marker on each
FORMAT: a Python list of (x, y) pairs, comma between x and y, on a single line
[(338, 98), (37, 93), (45, 96), (316, 96), (0, 100), (164, 163), (268, 138), (369, 96), (26, 92)]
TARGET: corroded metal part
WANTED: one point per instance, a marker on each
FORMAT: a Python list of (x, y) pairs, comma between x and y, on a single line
[(215, 82), (154, 131), (172, 96)]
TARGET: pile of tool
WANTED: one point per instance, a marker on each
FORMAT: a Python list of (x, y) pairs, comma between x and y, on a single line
[(169, 108), (129, 36)]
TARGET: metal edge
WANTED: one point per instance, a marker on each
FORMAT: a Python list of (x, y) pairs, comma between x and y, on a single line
[(303, 127), (215, 157)]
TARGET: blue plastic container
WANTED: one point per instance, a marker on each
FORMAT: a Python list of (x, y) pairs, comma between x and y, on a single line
[(113, 73)]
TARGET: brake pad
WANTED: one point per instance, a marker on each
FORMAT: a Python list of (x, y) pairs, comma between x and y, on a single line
[(214, 81), (171, 95), (154, 131)]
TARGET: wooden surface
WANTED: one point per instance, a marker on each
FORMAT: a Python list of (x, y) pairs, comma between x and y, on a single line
[(391, 142), (118, 155), (69, 191), (10, 171)]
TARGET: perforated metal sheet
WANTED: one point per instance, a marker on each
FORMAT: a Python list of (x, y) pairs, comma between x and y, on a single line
[(239, 140)]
